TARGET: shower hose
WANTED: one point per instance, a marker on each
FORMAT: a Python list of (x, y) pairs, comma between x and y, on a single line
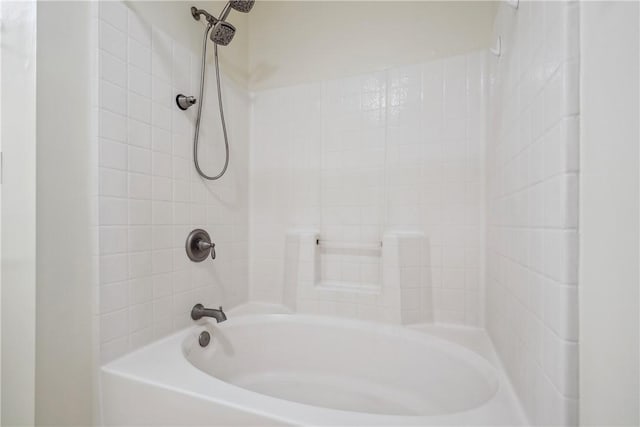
[(196, 136)]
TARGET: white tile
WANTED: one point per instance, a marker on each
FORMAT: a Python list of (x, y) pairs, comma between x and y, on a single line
[(112, 211), (139, 212), (113, 126), (113, 69), (139, 108), (113, 98), (115, 14), (112, 240), (161, 41), (161, 237), (139, 56), (139, 238), (140, 316), (140, 290), (162, 164), (161, 140), (161, 64), (162, 263), (139, 264), (113, 268), (114, 325), (139, 186), (162, 188), (161, 213), (561, 310), (113, 183), (161, 116), (113, 296), (181, 67), (113, 154), (139, 29), (139, 160), (162, 279), (139, 82), (113, 41), (162, 93), (139, 133)]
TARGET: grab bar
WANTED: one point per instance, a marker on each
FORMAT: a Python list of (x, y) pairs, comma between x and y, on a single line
[(348, 245)]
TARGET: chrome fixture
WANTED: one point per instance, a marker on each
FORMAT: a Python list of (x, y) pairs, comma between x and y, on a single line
[(243, 6), (199, 311), (184, 101), (199, 246), (204, 339), (222, 33), (196, 13)]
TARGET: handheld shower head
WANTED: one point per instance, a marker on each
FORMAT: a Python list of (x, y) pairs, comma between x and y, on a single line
[(243, 6), (222, 33)]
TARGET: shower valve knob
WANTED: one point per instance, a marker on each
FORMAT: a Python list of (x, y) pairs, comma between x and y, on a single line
[(184, 101), (199, 246)]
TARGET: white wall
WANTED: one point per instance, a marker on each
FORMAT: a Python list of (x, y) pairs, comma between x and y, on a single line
[(66, 191), (532, 214), (353, 158), (0, 225), (150, 196), (18, 211), (293, 42), (609, 193)]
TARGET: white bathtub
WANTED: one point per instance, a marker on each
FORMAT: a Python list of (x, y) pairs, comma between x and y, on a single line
[(305, 370)]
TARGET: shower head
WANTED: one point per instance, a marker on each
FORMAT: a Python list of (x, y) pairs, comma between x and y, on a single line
[(222, 33), (243, 6)]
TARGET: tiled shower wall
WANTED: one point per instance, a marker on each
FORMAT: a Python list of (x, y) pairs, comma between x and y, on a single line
[(149, 194), (532, 192), (399, 150)]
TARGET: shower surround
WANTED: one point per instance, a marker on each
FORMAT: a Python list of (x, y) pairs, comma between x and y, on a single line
[(532, 213), (453, 164), (150, 196), (398, 151)]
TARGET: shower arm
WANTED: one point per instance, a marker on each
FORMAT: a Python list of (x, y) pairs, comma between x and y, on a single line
[(196, 13)]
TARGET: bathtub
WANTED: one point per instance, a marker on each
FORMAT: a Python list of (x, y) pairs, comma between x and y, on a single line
[(286, 369)]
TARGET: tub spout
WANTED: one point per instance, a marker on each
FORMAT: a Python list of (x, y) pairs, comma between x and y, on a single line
[(199, 311)]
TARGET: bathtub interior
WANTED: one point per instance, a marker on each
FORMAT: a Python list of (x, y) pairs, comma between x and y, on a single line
[(344, 365), (267, 367)]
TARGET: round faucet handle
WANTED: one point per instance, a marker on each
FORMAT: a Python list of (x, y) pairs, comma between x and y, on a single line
[(199, 246)]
